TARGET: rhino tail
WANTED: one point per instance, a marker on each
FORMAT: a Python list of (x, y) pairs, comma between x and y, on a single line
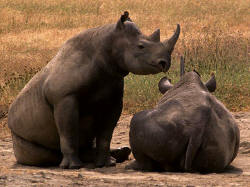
[(200, 118), (237, 144)]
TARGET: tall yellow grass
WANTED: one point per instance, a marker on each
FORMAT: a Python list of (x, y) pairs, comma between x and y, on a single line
[(214, 37)]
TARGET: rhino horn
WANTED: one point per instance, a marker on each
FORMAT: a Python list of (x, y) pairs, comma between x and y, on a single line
[(170, 43), (155, 36), (164, 85), (211, 83), (196, 72), (123, 18), (182, 66)]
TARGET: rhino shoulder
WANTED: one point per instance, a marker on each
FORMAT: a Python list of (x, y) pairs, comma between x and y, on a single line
[(68, 79)]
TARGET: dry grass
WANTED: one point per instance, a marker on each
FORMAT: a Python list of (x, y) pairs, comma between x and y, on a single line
[(215, 37)]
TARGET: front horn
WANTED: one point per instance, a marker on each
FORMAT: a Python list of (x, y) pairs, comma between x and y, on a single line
[(170, 43)]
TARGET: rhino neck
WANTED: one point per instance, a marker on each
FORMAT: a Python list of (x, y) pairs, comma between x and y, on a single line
[(100, 43), (110, 63), (110, 67)]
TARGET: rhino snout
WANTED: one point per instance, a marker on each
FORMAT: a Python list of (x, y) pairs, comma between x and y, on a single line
[(163, 64)]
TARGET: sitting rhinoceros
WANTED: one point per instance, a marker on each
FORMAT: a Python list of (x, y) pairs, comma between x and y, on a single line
[(77, 97), (188, 130)]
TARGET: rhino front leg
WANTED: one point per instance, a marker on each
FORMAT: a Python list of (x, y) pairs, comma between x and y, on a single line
[(66, 117), (103, 156), (107, 124)]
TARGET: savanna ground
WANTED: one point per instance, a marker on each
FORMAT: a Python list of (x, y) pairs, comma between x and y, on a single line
[(214, 38), (12, 174)]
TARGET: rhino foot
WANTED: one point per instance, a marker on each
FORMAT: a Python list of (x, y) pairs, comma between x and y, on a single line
[(144, 166), (121, 154), (71, 162), (134, 165), (106, 163)]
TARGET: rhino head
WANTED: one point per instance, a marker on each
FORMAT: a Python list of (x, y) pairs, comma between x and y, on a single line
[(140, 54), (165, 85)]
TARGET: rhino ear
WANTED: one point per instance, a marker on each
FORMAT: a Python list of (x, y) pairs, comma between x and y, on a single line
[(164, 85), (211, 84), (155, 36), (123, 18)]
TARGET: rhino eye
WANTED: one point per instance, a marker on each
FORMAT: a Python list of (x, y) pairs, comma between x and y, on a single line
[(140, 46)]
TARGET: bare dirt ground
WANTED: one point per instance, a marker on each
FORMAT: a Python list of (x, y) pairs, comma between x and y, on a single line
[(13, 174)]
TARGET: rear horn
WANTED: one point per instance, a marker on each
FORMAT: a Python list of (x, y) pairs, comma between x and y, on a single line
[(182, 66)]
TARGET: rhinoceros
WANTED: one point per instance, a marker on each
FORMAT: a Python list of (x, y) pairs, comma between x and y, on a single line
[(188, 130), (75, 101)]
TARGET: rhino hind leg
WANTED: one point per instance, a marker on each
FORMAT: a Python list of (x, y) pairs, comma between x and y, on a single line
[(201, 117), (28, 153), (134, 165), (143, 166), (144, 163)]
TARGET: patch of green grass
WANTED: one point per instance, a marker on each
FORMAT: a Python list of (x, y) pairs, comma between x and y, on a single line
[(225, 55), (10, 89), (214, 38), (35, 15)]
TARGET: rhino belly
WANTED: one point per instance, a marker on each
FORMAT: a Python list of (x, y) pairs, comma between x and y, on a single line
[(31, 118)]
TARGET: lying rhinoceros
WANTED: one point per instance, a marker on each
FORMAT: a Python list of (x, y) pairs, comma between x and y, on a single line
[(188, 130), (77, 97)]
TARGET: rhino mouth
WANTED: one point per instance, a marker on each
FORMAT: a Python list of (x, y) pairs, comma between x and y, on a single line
[(165, 67), (162, 66)]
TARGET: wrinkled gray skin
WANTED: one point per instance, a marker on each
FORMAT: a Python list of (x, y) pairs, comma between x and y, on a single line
[(188, 130), (77, 97)]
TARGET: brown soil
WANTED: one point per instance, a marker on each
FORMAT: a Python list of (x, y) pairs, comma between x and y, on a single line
[(13, 174)]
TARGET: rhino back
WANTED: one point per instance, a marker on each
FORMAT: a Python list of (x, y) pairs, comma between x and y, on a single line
[(30, 116), (221, 139), (77, 64)]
